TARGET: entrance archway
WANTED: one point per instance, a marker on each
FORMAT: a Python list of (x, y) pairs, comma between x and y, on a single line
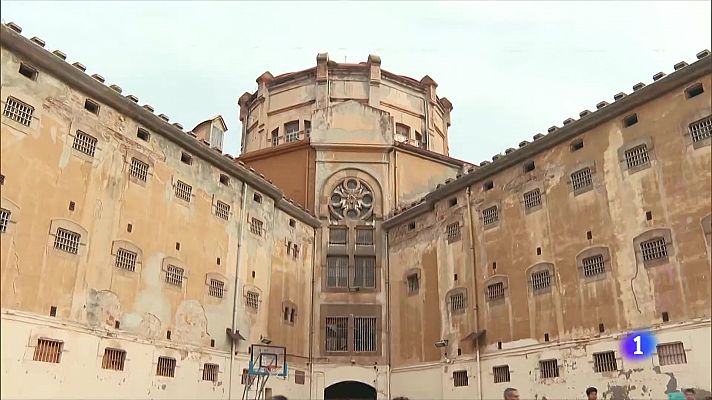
[(350, 390)]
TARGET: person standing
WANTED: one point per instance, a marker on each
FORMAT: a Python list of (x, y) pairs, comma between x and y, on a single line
[(511, 394), (591, 393)]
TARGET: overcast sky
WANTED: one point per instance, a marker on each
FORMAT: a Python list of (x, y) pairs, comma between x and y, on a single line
[(510, 69)]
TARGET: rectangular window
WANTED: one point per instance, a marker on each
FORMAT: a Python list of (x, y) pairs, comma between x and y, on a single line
[(91, 106), (67, 241), (699, 130), (336, 333), (637, 156), (460, 378), (48, 350), (365, 334), (126, 259), (541, 280), (253, 300), (183, 191), (364, 237), (210, 372), (495, 291), (166, 367), (364, 272), (18, 111), (299, 377), (605, 362), (490, 215), (457, 302), (291, 131), (654, 249), (532, 199), (113, 359), (85, 143), (501, 373), (28, 71), (256, 226), (307, 127), (174, 275), (4, 219), (453, 231), (139, 169), (143, 134), (216, 288), (593, 266), (548, 369), (413, 283), (671, 353), (275, 137), (581, 179), (222, 210), (337, 271), (337, 236)]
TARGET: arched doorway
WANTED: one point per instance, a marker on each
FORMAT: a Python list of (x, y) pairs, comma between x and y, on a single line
[(348, 390)]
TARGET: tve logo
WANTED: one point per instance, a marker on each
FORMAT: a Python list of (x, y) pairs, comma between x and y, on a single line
[(638, 345)]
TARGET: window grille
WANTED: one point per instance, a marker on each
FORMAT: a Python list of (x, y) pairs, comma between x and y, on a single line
[(336, 333), (671, 353), (183, 191), (654, 249), (548, 369), (299, 377), (126, 259), (4, 219), (605, 362), (48, 350), (85, 143), (337, 271), (495, 291), (18, 111), (256, 226), (291, 131), (113, 359), (166, 367), (139, 169), (364, 237), (637, 156), (460, 378), (701, 130), (210, 372), (216, 288), (581, 179), (501, 373), (490, 215), (453, 231), (457, 302), (253, 299), (337, 236), (365, 334), (174, 275), (365, 272), (413, 283), (593, 266), (222, 210), (541, 280), (67, 241), (532, 199)]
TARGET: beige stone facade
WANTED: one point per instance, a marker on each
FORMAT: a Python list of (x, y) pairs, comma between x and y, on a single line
[(347, 234)]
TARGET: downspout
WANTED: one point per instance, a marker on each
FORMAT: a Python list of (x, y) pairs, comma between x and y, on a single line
[(235, 289), (395, 178), (475, 292), (388, 317), (311, 322)]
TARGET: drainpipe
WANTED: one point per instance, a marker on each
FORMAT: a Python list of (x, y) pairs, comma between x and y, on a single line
[(477, 308), (388, 318), (311, 322), (235, 288)]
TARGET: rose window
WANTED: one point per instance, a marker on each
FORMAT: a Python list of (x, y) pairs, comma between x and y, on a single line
[(351, 199)]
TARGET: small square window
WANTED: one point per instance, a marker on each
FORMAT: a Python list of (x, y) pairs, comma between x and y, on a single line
[(257, 198), (694, 90), (292, 222), (605, 361), (139, 169), (576, 145), (48, 350), (489, 185), (701, 130), (637, 156), (529, 167), (299, 376), (460, 378), (91, 106), (28, 72), (630, 120), (210, 372), (143, 134), (338, 236), (166, 367), (113, 359), (85, 143), (593, 266), (452, 202), (224, 179), (252, 300), (186, 158), (548, 369), (364, 237), (501, 373)]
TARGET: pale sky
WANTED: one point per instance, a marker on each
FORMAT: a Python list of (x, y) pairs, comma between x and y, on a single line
[(510, 69)]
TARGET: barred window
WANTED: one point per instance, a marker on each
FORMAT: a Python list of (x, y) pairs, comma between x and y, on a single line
[(67, 241), (495, 291), (210, 372), (605, 361), (458, 302), (85, 143), (541, 280), (501, 373), (126, 259), (581, 179), (166, 367), (222, 210), (548, 369), (174, 275), (336, 333), (365, 334), (139, 169), (532, 199), (654, 249), (216, 288), (299, 377), (256, 226), (337, 236), (364, 237), (490, 215), (671, 353), (113, 359), (18, 111), (48, 350), (183, 191), (337, 271), (4, 219), (413, 283), (291, 131), (701, 130), (593, 266), (637, 156), (365, 272), (252, 299), (453, 231), (460, 378)]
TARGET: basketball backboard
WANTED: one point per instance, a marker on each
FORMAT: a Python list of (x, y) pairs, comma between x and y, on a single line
[(268, 360)]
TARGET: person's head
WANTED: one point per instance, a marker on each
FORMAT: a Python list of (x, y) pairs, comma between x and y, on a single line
[(689, 394), (591, 393), (511, 394)]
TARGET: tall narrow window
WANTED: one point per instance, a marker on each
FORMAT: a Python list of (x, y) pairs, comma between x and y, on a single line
[(166, 367), (365, 272), (210, 372), (85, 143), (413, 283), (67, 241), (48, 350), (139, 169), (307, 127), (275, 137), (337, 271), (113, 359), (18, 111), (364, 334), (336, 333), (216, 137)]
